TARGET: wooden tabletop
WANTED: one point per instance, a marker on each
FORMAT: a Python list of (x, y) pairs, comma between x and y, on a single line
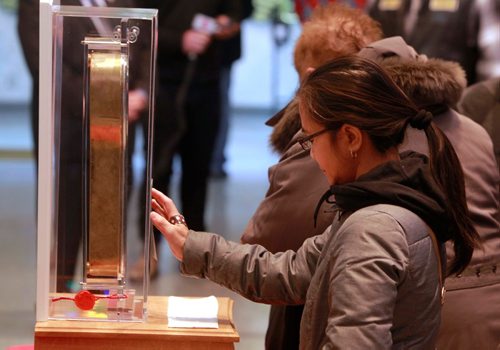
[(153, 331)]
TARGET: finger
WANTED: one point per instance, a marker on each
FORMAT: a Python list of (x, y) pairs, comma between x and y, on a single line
[(165, 202), (160, 223), (175, 235), (156, 202), (157, 207), (160, 198)]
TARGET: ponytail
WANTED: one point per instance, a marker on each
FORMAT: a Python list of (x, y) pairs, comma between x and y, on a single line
[(357, 91), (447, 172)]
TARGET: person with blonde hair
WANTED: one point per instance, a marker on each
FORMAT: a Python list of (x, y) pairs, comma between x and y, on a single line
[(333, 30)]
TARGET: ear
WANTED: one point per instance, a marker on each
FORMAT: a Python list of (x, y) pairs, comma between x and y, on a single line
[(353, 137), (309, 70), (306, 73)]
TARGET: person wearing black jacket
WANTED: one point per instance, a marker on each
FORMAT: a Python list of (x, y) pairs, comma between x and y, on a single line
[(188, 100), (230, 53), (440, 29)]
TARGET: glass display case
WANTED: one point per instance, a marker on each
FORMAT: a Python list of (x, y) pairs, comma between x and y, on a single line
[(97, 69)]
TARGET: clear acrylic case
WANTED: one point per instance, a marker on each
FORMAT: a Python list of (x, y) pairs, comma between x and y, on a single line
[(93, 59)]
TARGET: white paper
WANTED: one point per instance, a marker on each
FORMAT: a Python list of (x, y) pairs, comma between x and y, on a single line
[(193, 312)]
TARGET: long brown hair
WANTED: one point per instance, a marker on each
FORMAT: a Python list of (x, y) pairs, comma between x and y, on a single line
[(356, 91)]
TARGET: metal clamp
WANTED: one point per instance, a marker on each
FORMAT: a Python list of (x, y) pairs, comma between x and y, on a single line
[(132, 35)]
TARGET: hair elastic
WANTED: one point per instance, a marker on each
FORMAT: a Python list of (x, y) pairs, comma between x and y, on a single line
[(421, 120)]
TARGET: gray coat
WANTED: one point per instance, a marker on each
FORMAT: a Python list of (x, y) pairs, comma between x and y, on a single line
[(444, 84), (435, 82), (369, 282)]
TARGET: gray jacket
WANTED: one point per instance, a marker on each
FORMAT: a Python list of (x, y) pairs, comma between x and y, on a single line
[(435, 82), (475, 152), (361, 289), (473, 147)]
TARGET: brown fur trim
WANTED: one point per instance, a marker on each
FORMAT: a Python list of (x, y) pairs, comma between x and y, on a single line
[(286, 128), (431, 82)]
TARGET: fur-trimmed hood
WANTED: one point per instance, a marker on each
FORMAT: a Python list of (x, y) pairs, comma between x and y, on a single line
[(429, 82), (432, 83), (285, 123)]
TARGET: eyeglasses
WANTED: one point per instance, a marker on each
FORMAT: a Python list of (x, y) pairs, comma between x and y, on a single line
[(306, 142)]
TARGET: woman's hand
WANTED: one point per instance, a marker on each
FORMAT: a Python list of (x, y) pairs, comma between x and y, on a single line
[(163, 209)]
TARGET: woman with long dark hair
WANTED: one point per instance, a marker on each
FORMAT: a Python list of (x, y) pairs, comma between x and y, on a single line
[(374, 278)]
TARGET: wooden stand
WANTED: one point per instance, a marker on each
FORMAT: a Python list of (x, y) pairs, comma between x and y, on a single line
[(153, 334)]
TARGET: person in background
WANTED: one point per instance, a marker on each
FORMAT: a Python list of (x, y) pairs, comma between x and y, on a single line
[(230, 52), (372, 280), (296, 182), (187, 113), (305, 8), (436, 85), (481, 102), (456, 30), (488, 65)]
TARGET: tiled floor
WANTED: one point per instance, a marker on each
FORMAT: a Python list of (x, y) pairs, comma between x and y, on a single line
[(231, 203)]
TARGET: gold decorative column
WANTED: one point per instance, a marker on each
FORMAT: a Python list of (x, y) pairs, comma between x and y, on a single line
[(106, 178)]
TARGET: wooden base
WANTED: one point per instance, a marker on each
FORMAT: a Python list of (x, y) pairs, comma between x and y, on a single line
[(153, 334)]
